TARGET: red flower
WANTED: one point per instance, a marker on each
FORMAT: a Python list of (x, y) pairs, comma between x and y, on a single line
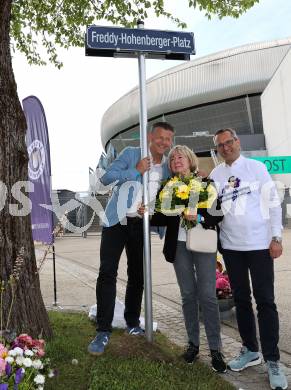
[(25, 341)]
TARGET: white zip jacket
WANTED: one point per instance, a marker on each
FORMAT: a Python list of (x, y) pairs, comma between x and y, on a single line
[(250, 203)]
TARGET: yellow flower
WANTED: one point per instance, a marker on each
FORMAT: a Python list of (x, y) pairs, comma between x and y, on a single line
[(172, 181), (203, 205), (212, 195), (182, 192), (195, 185)]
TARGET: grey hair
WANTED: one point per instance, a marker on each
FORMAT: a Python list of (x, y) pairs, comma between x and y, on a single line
[(227, 129)]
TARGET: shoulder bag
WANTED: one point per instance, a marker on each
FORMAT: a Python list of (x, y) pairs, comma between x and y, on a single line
[(201, 240)]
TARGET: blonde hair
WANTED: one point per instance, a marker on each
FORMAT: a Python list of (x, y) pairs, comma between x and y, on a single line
[(186, 152)]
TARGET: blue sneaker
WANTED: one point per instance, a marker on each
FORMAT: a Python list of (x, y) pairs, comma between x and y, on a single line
[(135, 331), (97, 346), (246, 358), (277, 377)]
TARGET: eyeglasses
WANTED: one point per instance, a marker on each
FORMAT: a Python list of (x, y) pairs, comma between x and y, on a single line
[(227, 143)]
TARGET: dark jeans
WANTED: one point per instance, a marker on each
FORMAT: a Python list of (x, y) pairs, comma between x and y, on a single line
[(114, 239), (260, 266)]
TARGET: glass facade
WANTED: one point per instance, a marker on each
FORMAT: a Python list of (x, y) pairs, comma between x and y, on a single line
[(242, 113)]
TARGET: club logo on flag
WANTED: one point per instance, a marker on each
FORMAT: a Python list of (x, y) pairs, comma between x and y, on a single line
[(36, 164)]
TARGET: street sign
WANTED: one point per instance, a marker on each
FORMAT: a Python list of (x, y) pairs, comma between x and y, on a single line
[(127, 42), (276, 164)]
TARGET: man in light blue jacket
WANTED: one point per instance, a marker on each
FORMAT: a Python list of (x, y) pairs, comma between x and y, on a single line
[(124, 229)]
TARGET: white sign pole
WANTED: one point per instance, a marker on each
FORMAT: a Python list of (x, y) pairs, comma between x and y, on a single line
[(146, 226)]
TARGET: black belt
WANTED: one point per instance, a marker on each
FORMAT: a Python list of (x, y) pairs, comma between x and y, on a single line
[(134, 219)]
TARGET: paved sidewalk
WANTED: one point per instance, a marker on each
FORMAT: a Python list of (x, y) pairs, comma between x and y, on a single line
[(77, 262)]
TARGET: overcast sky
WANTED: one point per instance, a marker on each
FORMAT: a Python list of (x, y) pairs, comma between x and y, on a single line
[(76, 97)]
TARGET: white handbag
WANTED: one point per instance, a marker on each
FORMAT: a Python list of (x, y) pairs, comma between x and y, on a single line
[(201, 240)]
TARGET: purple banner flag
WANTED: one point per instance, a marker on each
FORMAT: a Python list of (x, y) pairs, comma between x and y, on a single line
[(39, 169)]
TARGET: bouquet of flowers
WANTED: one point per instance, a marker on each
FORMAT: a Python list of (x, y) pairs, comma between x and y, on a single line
[(183, 195), (22, 364)]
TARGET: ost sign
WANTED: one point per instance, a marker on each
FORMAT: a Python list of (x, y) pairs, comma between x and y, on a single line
[(276, 165), (111, 41)]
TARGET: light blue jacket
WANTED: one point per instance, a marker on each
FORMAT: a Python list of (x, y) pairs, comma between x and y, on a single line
[(128, 180)]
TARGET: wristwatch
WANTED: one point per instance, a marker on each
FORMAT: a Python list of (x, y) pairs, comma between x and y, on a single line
[(277, 239)]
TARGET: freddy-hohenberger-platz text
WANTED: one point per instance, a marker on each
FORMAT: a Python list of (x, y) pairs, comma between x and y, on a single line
[(125, 38)]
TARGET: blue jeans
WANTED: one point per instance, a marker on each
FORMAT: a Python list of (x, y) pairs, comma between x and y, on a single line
[(196, 275), (259, 266)]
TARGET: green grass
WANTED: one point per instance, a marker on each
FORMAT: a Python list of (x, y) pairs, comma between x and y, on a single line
[(72, 332), (129, 363)]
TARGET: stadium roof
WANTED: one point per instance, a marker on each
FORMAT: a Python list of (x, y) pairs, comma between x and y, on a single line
[(230, 73)]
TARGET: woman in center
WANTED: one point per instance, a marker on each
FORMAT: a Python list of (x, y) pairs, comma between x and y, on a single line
[(195, 271)]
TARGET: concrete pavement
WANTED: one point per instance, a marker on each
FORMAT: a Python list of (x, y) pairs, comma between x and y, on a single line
[(77, 263)]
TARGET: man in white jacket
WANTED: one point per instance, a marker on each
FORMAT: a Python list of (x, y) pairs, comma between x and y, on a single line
[(251, 238)]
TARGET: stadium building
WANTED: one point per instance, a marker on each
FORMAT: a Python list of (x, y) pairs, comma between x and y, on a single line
[(247, 88)]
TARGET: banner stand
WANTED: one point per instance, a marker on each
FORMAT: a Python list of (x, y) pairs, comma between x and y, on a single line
[(55, 303), (39, 174)]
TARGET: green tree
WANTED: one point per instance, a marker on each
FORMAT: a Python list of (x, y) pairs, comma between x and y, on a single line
[(42, 26)]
